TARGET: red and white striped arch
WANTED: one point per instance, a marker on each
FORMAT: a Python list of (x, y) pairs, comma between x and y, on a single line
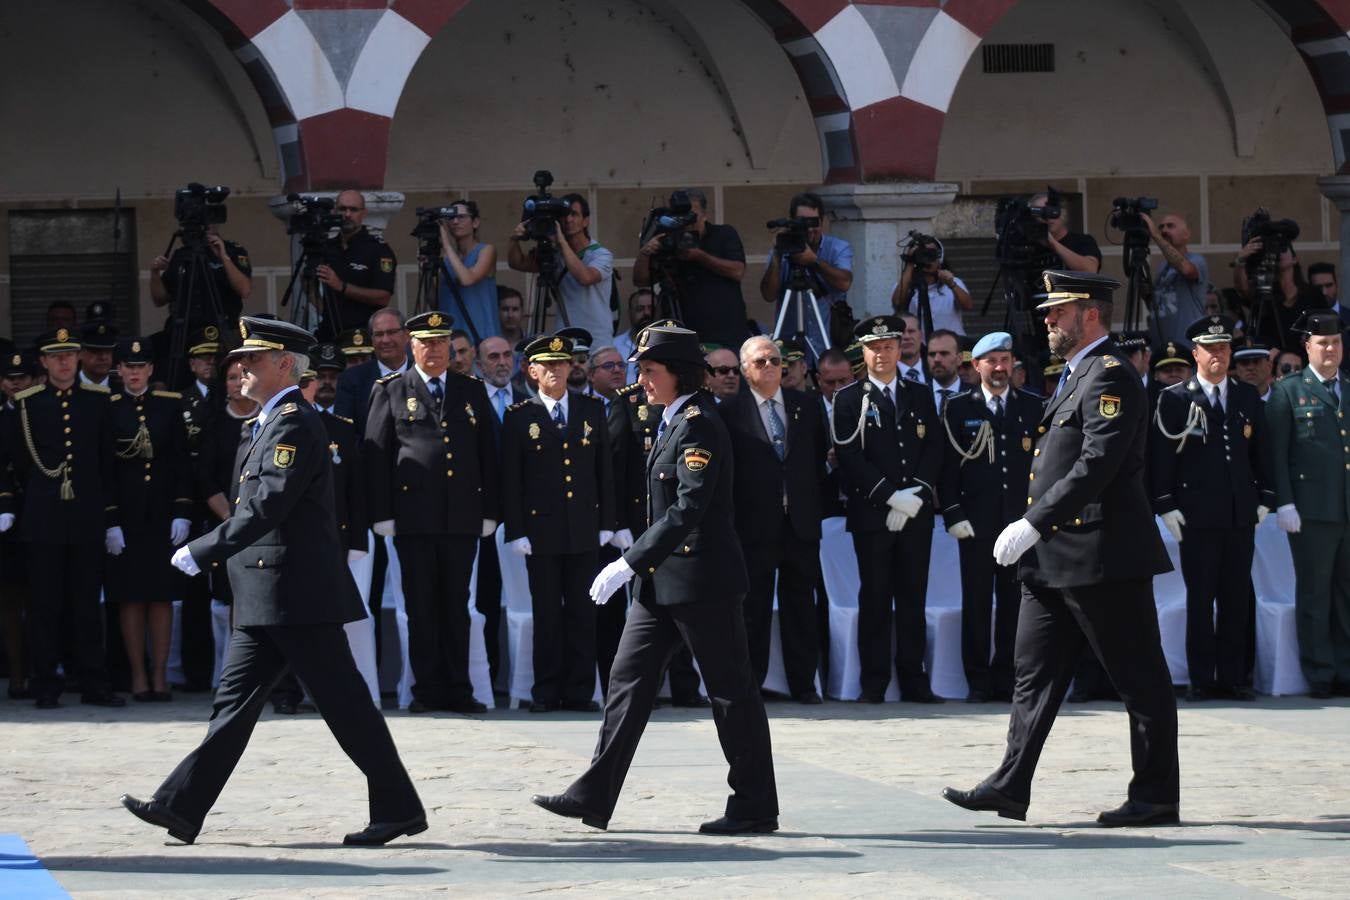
[(878, 74)]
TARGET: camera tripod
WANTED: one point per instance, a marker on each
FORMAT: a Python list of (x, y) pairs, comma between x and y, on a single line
[(797, 294), (308, 314), (545, 292), (1019, 315), (198, 272), (1139, 280)]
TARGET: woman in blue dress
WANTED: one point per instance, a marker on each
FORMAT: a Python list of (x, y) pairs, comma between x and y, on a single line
[(471, 267)]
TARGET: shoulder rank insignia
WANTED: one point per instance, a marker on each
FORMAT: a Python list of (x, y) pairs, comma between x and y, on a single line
[(283, 456), (1109, 361), (692, 412), (534, 431), (28, 392), (385, 379), (96, 388), (172, 395), (115, 397), (344, 419), (288, 408), (696, 459), (1108, 406)]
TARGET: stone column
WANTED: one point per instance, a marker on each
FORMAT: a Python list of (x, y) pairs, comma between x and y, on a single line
[(873, 218), (381, 206), (1336, 188)]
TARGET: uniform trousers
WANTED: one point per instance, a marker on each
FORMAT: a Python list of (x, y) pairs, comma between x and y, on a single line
[(893, 574), (256, 658), (714, 628), (436, 570), (609, 619), (1119, 621), (1321, 552), (564, 625), (1216, 564), (487, 599), (984, 621), (795, 564), (66, 579)]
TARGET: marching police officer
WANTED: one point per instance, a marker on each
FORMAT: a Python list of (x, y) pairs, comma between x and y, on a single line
[(154, 484), (984, 477), (1210, 477), (60, 443), (889, 443), (431, 463), (558, 509), (292, 595), (691, 554), (1307, 416), (1094, 549)]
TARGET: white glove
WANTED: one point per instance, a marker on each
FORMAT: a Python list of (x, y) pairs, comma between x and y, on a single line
[(113, 541), (183, 562), (384, 528), (1015, 540), (1261, 513), (1174, 520), (961, 530), (895, 520), (1288, 519), (605, 537), (178, 531), (611, 578), (6, 521), (489, 526), (355, 556), (906, 501), (623, 539), (521, 546)]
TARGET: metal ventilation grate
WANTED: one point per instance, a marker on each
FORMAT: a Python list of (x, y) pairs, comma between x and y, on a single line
[(1002, 59)]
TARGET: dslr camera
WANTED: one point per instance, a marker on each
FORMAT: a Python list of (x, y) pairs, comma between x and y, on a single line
[(312, 220), (1022, 228), (198, 206), (921, 250), (542, 210), (1277, 236), (794, 233), (670, 223)]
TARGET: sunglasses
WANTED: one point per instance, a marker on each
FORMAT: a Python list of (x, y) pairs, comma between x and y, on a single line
[(765, 361), (722, 371)]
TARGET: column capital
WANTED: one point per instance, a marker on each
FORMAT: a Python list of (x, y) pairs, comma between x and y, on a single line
[(1336, 188), (905, 200)]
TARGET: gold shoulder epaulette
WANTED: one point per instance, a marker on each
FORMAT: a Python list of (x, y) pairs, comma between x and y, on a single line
[(692, 411), (115, 397), (628, 389), (388, 378), (28, 392), (172, 395), (1109, 361), (96, 388), (518, 404), (342, 418)]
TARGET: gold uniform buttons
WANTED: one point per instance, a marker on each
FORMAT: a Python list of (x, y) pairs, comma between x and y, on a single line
[(569, 495)]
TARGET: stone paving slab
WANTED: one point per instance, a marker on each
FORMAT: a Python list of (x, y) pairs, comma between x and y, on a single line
[(1265, 804)]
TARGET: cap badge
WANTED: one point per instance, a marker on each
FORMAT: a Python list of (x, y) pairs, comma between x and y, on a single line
[(211, 332), (62, 335), (1216, 329), (1049, 285), (243, 330), (434, 320), (879, 326), (555, 345), (135, 346), (358, 339)]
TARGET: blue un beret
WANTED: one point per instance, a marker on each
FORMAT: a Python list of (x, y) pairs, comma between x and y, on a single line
[(997, 340)]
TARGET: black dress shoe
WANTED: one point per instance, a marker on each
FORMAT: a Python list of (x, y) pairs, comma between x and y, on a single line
[(698, 701), (160, 696), (1136, 812), (871, 697), (102, 698), (924, 696), (1341, 689), (48, 701), (810, 698), (467, 707), (417, 707), (728, 825), (986, 799), (1320, 691), (1198, 694), (143, 696), (284, 707), (158, 814), (1241, 692), (542, 706), (979, 697), (377, 834), (563, 805), (585, 706)]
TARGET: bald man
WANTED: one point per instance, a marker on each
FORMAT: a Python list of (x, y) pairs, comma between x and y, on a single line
[(1179, 288), (358, 272)]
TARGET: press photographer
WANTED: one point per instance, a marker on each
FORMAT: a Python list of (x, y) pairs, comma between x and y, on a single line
[(1269, 281), (357, 272), (947, 295), (227, 277), (567, 259), (803, 246), (706, 273)]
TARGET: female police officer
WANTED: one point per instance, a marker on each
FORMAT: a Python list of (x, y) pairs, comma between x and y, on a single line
[(691, 553)]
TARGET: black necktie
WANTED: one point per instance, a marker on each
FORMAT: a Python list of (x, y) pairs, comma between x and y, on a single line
[(946, 395), (1330, 385), (998, 411), (437, 392), (886, 392), (558, 416)]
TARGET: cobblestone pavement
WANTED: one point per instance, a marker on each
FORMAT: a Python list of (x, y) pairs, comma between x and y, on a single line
[(1265, 801)]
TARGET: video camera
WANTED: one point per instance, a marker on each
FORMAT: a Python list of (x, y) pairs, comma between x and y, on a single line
[(794, 234), (1022, 228), (1277, 237), (921, 250), (198, 206), (670, 223), (428, 229), (1126, 213), (312, 219), (542, 210)]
